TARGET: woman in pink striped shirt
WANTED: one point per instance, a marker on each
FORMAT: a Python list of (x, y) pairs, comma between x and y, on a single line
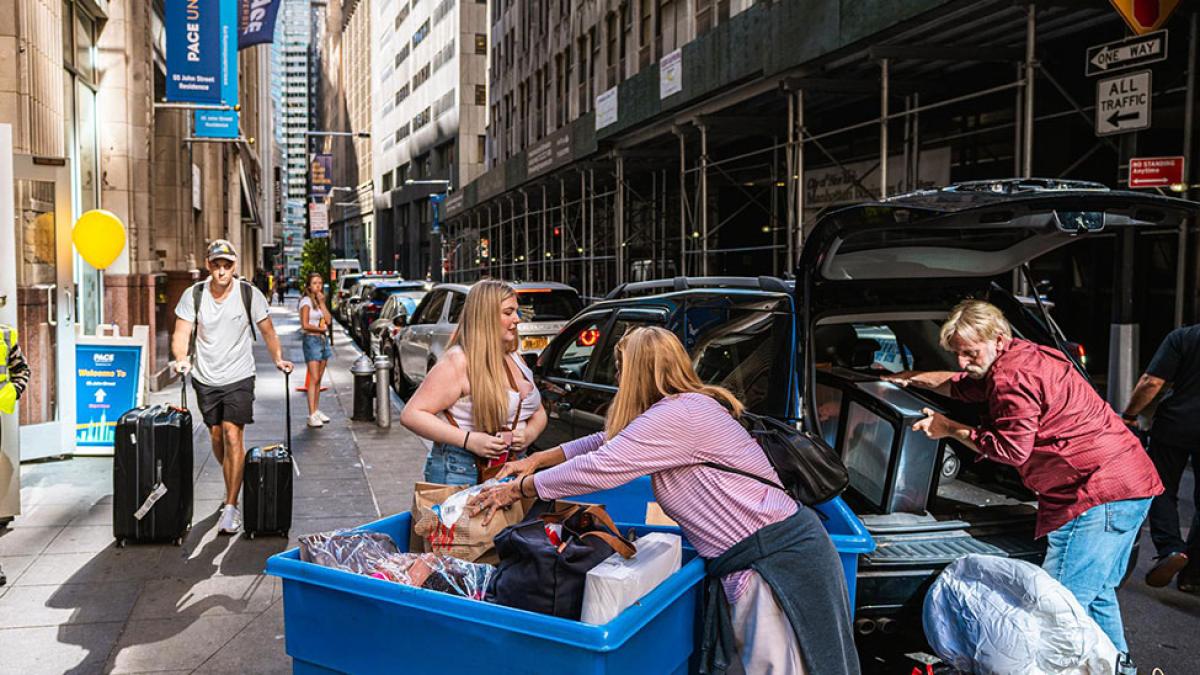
[(784, 608)]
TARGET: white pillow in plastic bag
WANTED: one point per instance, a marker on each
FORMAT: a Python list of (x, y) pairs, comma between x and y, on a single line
[(986, 614)]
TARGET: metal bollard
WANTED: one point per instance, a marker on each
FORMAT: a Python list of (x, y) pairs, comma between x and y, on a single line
[(364, 389), (383, 398)]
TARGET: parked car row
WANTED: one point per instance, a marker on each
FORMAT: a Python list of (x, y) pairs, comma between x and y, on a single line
[(874, 283)]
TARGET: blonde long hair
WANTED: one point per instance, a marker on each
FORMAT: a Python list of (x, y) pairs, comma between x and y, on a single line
[(654, 365), (480, 336)]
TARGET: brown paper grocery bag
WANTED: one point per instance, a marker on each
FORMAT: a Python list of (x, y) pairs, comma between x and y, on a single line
[(468, 539)]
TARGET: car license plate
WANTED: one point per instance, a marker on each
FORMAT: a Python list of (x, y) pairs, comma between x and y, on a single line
[(534, 343)]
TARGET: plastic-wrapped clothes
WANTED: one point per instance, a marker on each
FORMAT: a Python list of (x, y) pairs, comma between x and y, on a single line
[(987, 614), (355, 551), (436, 572)]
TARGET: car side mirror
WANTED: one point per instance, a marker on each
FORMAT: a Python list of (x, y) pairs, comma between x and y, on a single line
[(400, 321)]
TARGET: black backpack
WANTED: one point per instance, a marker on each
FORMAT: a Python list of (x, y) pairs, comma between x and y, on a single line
[(198, 293), (811, 472)]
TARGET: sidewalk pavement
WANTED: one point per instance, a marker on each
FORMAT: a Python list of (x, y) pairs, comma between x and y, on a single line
[(75, 603)]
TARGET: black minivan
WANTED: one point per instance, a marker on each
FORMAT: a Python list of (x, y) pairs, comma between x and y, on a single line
[(874, 283)]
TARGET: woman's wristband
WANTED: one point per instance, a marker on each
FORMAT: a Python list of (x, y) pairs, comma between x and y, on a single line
[(465, 439)]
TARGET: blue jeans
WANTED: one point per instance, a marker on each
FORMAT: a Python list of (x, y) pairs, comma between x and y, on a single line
[(316, 347), (450, 465), (1089, 555)]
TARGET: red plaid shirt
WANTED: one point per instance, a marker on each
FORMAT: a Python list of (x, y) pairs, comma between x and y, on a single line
[(1069, 446)]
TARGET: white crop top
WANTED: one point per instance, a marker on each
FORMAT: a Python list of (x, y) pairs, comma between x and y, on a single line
[(461, 409)]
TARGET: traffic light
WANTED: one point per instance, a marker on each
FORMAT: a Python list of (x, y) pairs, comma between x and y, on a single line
[(557, 232)]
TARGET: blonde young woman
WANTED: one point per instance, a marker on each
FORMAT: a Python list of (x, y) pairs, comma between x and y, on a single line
[(479, 400), (777, 600), (314, 323)]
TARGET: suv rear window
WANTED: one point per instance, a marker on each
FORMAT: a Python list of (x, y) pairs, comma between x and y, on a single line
[(548, 305)]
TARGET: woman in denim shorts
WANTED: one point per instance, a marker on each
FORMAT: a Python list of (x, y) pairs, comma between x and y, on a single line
[(478, 404), (314, 322)]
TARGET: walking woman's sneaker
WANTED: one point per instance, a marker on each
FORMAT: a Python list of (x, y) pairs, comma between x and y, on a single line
[(1165, 569), (314, 420), (231, 520), (323, 416)]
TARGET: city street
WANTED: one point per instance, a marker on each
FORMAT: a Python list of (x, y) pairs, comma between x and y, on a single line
[(940, 259)]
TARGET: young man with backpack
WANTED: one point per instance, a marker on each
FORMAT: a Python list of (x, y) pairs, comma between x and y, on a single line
[(213, 339)]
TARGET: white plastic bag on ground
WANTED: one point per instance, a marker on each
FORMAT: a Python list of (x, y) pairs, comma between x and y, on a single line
[(987, 614)]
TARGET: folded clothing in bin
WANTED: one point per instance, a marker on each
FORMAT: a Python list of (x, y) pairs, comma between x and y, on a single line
[(617, 582), (355, 551), (436, 572)]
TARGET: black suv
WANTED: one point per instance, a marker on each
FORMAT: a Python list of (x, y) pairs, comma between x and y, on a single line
[(874, 283)]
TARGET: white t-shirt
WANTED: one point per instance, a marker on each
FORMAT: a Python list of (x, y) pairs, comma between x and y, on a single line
[(224, 347), (314, 312)]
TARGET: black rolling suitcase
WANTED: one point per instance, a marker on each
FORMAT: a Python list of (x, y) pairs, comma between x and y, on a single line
[(267, 483), (152, 474)]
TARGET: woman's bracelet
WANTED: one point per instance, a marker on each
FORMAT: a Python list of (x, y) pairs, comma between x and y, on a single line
[(521, 487), (465, 439)]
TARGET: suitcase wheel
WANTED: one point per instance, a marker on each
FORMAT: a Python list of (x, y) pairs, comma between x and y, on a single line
[(120, 542), (250, 535), (178, 541)]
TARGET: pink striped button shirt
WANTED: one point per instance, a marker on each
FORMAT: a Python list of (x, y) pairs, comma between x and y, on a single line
[(670, 441)]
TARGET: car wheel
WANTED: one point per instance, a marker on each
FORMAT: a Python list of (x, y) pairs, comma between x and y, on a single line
[(400, 383)]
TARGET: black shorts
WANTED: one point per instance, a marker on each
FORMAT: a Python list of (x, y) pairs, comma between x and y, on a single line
[(228, 403)]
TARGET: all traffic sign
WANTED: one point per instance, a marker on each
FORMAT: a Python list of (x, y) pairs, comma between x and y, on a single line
[(1155, 172), (1123, 103), (1128, 53)]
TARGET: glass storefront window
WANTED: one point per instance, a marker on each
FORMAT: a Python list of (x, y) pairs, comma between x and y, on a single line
[(85, 40), (80, 120), (68, 34)]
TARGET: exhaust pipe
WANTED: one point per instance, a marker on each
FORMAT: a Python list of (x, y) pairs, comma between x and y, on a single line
[(888, 626), (865, 626)]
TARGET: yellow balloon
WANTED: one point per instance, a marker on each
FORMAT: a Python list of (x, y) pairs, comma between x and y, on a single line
[(99, 237)]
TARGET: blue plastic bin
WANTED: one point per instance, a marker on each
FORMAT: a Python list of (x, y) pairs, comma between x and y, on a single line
[(627, 503), (337, 621)]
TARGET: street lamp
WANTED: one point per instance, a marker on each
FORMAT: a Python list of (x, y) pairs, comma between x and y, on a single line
[(435, 240)]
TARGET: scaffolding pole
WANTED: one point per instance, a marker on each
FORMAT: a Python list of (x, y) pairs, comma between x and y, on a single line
[(545, 239), (798, 176), (562, 227), (883, 128), (703, 200), (1030, 65), (619, 205), (1189, 120), (592, 231), (528, 248), (682, 201)]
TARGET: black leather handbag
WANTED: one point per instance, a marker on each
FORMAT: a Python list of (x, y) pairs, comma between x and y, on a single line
[(811, 472), (546, 576)]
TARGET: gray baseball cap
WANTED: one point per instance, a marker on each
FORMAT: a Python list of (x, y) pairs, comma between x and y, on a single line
[(221, 249)]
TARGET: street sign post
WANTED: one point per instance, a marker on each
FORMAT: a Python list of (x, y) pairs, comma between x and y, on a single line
[(1155, 172), (1123, 103), (1111, 57)]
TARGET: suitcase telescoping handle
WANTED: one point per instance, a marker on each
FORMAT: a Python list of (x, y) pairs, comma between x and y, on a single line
[(287, 407), (183, 391)]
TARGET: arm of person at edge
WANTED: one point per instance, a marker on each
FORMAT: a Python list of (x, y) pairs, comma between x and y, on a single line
[(442, 387), (1144, 392), (648, 445), (267, 328), (938, 381), (179, 345), (552, 457), (1014, 410)]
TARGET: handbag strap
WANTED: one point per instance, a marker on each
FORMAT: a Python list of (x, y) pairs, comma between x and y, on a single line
[(618, 544), (747, 474)]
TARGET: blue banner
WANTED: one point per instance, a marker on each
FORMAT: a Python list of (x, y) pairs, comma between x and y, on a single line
[(256, 22), (216, 124), (320, 175), (194, 55), (107, 378)]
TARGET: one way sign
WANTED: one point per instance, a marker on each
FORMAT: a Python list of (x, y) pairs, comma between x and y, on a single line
[(1128, 53), (1123, 103)]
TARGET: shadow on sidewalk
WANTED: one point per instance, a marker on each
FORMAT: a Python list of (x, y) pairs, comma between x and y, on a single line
[(176, 587)]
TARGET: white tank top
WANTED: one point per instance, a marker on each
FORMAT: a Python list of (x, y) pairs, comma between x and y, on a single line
[(314, 312), (461, 409)]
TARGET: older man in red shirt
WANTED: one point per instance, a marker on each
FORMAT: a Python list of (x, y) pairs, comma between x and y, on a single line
[(1093, 479)]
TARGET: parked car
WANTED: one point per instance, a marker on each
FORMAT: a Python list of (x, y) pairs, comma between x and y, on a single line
[(341, 288), (353, 294), (396, 302), (544, 309), (368, 302), (874, 284)]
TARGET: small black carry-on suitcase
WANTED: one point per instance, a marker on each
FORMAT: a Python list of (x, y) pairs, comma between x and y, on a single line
[(152, 474), (267, 483)]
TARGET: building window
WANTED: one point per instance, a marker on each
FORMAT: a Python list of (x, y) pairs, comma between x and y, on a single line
[(480, 43), (402, 132), (480, 94), (421, 119), (401, 55), (481, 148), (402, 15), (387, 181), (421, 34), (421, 76)]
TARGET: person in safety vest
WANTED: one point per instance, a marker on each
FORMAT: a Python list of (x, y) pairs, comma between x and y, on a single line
[(14, 370), (14, 377)]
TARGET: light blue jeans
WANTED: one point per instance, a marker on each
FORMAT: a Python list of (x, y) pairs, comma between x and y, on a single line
[(1089, 554), (450, 465)]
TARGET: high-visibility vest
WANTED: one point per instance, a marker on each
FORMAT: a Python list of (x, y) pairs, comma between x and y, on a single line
[(8, 391)]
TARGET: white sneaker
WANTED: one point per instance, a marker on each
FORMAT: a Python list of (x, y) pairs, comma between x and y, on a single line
[(314, 420), (231, 520), (323, 416)]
